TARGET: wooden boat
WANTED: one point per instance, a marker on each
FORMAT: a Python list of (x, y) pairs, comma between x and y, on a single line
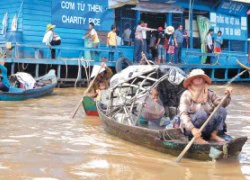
[(118, 109), (49, 82), (89, 106)]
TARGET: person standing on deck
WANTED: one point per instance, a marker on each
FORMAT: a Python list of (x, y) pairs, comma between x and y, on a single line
[(152, 43), (160, 46), (126, 36), (111, 42), (93, 38), (139, 41), (4, 82), (51, 39), (197, 103), (218, 42), (209, 45), (178, 39), (144, 37), (171, 43)]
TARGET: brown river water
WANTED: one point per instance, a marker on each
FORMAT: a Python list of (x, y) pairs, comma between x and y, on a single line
[(39, 141)]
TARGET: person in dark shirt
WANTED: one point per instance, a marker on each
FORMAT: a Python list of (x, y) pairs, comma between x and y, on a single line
[(160, 46)]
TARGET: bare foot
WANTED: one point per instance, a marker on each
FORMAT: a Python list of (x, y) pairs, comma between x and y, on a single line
[(216, 138), (200, 141)]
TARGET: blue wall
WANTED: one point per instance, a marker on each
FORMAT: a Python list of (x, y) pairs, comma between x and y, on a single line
[(12, 8)]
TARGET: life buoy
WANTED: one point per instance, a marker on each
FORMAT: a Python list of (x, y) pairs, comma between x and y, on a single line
[(122, 63)]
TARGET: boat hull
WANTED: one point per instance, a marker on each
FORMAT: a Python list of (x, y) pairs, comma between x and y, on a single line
[(171, 141), (89, 106), (28, 94)]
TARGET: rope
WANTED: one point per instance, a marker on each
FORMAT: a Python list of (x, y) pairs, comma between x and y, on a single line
[(79, 71), (86, 66), (23, 67)]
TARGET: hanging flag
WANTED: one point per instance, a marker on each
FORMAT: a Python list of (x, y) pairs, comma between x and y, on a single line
[(4, 24), (203, 25), (14, 23)]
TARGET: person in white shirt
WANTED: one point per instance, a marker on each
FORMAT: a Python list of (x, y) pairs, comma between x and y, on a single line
[(209, 45), (51, 39), (126, 36), (139, 45)]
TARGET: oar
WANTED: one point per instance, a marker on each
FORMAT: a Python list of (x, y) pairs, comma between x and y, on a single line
[(84, 94), (201, 129)]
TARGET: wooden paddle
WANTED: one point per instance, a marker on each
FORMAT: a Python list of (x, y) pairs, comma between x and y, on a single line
[(201, 129), (85, 92)]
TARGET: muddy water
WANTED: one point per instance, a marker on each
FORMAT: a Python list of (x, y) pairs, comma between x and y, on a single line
[(39, 141)]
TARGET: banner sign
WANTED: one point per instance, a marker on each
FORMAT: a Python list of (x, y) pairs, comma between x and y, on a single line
[(232, 7), (232, 27), (77, 14)]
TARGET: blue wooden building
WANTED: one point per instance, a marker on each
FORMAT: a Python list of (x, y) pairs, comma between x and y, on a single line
[(72, 17)]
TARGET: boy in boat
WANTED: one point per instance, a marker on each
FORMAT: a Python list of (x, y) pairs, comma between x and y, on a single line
[(4, 82), (102, 80), (197, 103)]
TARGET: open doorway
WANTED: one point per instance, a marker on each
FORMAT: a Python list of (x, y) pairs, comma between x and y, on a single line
[(154, 20)]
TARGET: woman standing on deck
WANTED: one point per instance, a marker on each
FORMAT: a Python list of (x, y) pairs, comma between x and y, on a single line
[(197, 103), (51, 39)]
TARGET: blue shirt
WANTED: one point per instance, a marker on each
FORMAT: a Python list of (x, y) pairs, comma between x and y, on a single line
[(220, 40), (179, 36), (5, 80)]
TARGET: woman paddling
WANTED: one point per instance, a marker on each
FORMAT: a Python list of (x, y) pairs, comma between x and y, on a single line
[(197, 103)]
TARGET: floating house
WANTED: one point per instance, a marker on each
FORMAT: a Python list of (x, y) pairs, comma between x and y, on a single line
[(23, 25)]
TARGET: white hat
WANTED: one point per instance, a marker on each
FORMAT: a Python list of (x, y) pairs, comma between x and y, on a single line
[(169, 30), (194, 74), (95, 70)]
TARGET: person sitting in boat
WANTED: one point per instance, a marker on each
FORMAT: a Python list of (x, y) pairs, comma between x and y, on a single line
[(23, 80), (197, 103), (153, 111), (102, 80), (4, 82)]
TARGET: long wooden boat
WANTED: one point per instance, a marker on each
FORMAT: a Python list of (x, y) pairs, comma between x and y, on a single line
[(170, 140), (20, 94), (89, 106)]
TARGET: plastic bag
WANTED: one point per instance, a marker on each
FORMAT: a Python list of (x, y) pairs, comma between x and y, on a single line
[(153, 110)]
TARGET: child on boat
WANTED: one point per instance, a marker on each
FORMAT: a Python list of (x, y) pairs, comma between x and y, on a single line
[(197, 103), (102, 80), (154, 112)]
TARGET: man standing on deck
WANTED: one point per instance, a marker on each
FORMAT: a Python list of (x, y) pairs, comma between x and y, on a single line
[(178, 39), (111, 42), (139, 41), (209, 45), (93, 38)]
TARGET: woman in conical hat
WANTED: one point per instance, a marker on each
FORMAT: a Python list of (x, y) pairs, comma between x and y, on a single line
[(103, 78), (197, 103)]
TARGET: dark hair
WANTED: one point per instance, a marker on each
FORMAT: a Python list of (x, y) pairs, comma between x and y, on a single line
[(141, 22), (92, 24), (211, 30), (113, 27), (219, 32)]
